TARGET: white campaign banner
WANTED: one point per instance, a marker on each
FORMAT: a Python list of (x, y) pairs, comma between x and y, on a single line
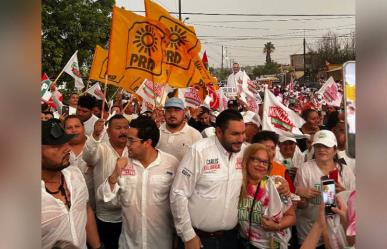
[(279, 118), (330, 93), (190, 97)]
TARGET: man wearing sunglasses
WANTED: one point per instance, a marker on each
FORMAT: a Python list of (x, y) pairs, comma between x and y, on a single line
[(66, 214), (141, 185), (103, 155)]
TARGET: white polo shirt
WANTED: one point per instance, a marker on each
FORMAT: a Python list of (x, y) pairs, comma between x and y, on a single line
[(103, 157), (205, 192), (143, 194), (178, 143), (59, 223)]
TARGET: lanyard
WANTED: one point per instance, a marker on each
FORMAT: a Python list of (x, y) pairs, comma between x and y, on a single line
[(251, 209)]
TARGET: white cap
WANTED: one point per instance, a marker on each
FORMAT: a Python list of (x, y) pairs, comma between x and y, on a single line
[(325, 137), (251, 117), (283, 138)]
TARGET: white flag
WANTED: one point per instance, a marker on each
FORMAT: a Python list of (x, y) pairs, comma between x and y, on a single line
[(249, 94), (95, 90), (151, 93), (329, 91), (223, 100), (280, 119), (72, 68)]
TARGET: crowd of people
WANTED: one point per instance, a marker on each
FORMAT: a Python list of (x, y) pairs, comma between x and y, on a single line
[(176, 177)]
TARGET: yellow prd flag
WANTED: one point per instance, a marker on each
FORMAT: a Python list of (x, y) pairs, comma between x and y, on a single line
[(182, 46), (98, 68), (135, 50)]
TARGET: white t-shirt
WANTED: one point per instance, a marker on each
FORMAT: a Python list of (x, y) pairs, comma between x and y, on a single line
[(59, 223), (178, 143), (309, 176), (232, 79)]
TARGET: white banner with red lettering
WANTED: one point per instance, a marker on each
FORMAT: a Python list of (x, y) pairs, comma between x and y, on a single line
[(190, 97), (330, 93), (151, 93), (279, 118)]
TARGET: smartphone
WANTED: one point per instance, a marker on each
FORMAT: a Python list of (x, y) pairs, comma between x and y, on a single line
[(65, 110), (328, 195)]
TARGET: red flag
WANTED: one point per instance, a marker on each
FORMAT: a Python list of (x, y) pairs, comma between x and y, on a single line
[(205, 59)]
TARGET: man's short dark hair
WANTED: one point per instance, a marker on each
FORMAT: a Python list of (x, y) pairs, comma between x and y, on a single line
[(266, 135), (86, 101), (117, 116), (70, 117), (98, 103), (147, 129), (45, 107), (225, 116), (203, 110)]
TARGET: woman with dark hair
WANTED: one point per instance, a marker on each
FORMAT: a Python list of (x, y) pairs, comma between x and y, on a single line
[(308, 181), (311, 126), (264, 217)]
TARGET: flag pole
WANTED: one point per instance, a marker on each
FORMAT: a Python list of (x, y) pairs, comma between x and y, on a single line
[(104, 97)]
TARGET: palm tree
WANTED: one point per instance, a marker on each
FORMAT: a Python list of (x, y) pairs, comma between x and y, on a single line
[(268, 49)]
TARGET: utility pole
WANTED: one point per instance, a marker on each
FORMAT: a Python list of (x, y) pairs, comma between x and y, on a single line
[(221, 69), (180, 10), (304, 60)]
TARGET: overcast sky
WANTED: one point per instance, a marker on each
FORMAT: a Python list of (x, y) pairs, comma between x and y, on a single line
[(243, 37)]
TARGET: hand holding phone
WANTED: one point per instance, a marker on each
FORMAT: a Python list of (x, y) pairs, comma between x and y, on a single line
[(65, 110), (328, 194)]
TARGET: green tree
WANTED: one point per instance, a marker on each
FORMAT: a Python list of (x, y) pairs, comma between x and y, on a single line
[(268, 49), (73, 25), (333, 49)]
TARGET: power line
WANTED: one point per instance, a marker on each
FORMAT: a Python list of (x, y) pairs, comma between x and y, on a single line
[(241, 14), (276, 20)]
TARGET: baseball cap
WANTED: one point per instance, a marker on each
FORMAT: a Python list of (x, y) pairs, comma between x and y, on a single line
[(251, 117), (53, 133), (174, 102), (283, 138), (232, 102), (325, 137)]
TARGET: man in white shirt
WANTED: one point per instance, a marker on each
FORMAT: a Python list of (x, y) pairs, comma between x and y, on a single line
[(176, 136), (73, 125), (236, 77), (103, 156), (66, 214), (339, 131), (141, 185), (85, 104), (205, 193)]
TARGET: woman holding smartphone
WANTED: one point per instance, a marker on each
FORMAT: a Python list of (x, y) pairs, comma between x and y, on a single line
[(308, 181), (264, 217)]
